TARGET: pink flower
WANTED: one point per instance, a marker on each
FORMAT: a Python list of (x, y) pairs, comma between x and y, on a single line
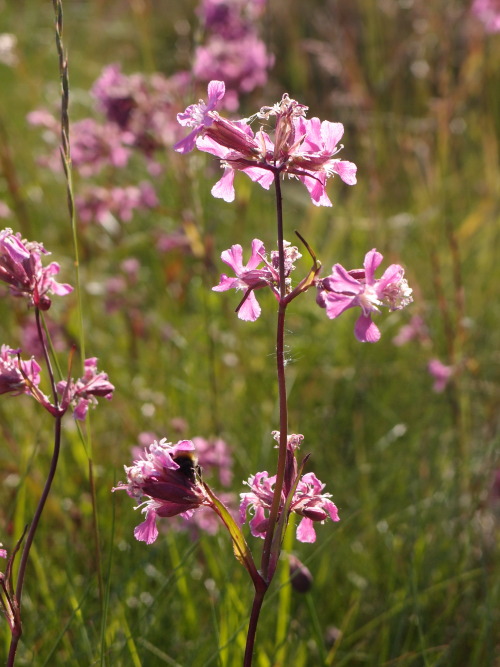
[(199, 116), (302, 149), (167, 476), (488, 12), (359, 288), (84, 391), (250, 277), (442, 374), (241, 63), (12, 380), (308, 500), (21, 268)]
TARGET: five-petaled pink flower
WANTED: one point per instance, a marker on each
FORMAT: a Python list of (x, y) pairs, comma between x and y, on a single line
[(199, 116), (359, 288), (250, 277), (84, 391), (21, 268), (302, 149), (166, 476), (17, 378), (308, 500)]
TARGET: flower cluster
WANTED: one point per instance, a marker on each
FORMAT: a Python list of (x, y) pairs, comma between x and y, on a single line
[(139, 118), (167, 476), (303, 148), (250, 277), (17, 377), (308, 501), (21, 268), (359, 288), (85, 391), (233, 51)]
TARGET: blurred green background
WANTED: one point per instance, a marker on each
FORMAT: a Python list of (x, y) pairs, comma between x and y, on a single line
[(410, 575)]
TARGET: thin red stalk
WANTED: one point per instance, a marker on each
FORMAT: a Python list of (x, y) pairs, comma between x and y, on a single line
[(268, 570), (283, 405), (31, 534), (252, 626), (16, 635)]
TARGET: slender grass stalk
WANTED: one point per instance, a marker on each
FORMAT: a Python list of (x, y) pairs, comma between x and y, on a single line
[(67, 166)]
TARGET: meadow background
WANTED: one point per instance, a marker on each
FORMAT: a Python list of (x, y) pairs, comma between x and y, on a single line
[(411, 574)]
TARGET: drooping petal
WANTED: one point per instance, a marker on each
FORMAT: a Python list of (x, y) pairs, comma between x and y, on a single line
[(365, 330), (316, 186), (305, 531), (147, 530), (250, 309), (224, 189)]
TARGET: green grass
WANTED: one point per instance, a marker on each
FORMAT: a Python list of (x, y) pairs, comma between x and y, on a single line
[(411, 574)]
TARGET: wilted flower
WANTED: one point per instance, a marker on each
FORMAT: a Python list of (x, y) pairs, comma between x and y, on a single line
[(21, 268), (250, 277), (359, 288), (85, 391), (307, 501), (12, 380), (167, 476)]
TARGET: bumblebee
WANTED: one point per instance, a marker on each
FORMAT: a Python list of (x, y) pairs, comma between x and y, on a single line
[(188, 465)]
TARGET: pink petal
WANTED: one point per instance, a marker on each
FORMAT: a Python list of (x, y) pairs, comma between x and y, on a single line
[(342, 281), (346, 170), (336, 304), (365, 330), (147, 530), (250, 309), (331, 134), (224, 189), (258, 250), (234, 258), (263, 177), (371, 263), (305, 531), (226, 283)]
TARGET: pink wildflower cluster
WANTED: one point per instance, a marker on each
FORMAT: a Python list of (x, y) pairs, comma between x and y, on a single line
[(233, 51), (166, 475), (17, 377), (21, 268), (488, 12), (139, 118), (308, 501), (303, 148), (85, 390)]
